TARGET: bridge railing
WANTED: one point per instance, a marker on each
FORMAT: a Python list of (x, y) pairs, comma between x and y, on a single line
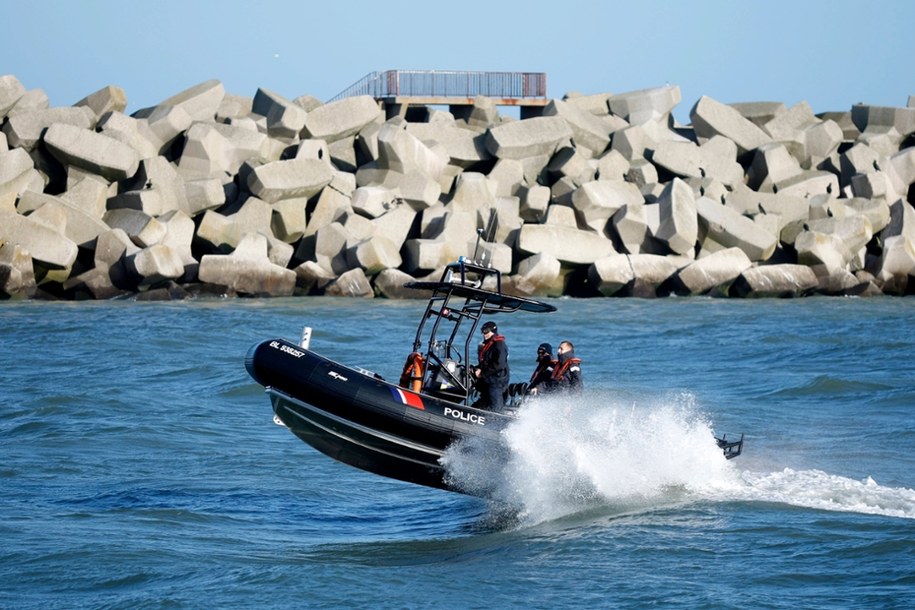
[(439, 83)]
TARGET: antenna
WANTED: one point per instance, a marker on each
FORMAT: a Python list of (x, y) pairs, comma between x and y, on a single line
[(477, 247), (490, 231)]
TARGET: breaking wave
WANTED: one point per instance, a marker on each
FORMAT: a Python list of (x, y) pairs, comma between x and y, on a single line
[(568, 455)]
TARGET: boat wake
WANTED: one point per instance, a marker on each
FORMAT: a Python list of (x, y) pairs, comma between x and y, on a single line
[(565, 456)]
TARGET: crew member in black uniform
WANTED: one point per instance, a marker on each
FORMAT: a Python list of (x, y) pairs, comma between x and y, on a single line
[(542, 377), (567, 371), (492, 372)]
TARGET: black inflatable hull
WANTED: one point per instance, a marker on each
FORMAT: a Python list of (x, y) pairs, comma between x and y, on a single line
[(356, 417)]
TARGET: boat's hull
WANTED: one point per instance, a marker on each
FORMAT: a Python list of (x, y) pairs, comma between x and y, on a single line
[(357, 418)]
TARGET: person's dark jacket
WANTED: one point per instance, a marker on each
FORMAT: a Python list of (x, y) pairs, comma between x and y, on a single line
[(542, 377), (494, 362), (567, 373)]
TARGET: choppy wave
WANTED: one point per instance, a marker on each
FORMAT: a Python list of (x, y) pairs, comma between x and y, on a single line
[(565, 456)]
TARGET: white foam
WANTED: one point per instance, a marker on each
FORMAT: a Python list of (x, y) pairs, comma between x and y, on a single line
[(819, 490), (567, 455)]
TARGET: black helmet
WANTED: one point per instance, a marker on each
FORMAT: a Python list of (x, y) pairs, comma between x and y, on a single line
[(545, 347), (490, 326)]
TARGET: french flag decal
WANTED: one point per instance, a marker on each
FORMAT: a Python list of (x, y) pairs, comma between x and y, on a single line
[(408, 398)]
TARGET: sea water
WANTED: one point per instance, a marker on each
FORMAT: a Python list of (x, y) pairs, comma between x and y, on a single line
[(140, 467)]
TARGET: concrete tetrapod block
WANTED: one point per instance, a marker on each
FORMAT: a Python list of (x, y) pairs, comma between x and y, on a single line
[(143, 229), (112, 246), (327, 246), (679, 226), (10, 92), (632, 142), (868, 117), (687, 160), (853, 232), (539, 276), (287, 179), (395, 224), (16, 168), (902, 169), (612, 165), (374, 255), (480, 116), (711, 118), (822, 140), (164, 124), (473, 192), (588, 131), (714, 273), (107, 99), (402, 152), (731, 229), (390, 283), (87, 191), (810, 183), (630, 226), (651, 271), (352, 283), (289, 219), (148, 201), (254, 216), (611, 274), (206, 154), (464, 147), (639, 107), (528, 138), (897, 265), (202, 195), (17, 277), (311, 277), (24, 130), (341, 119), (427, 254), (825, 253), (759, 113), (81, 228), (49, 248), (247, 143), (566, 244), (133, 132), (31, 100), (569, 163), (200, 102), (334, 202), (372, 201), (535, 200), (595, 103), (772, 167), (158, 174), (156, 265), (91, 151), (596, 202), (248, 270), (790, 127), (784, 280), (358, 229), (507, 176), (285, 119)]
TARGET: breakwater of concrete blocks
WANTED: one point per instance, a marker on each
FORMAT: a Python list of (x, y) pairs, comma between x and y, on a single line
[(213, 193)]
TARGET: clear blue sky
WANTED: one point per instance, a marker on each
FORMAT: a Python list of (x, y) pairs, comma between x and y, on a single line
[(830, 54)]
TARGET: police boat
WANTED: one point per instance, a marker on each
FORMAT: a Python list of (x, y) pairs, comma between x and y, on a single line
[(401, 430)]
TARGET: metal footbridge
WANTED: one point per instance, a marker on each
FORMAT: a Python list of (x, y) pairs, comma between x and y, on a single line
[(401, 88)]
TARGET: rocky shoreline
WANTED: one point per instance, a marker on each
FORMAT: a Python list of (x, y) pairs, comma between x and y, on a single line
[(218, 194)]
